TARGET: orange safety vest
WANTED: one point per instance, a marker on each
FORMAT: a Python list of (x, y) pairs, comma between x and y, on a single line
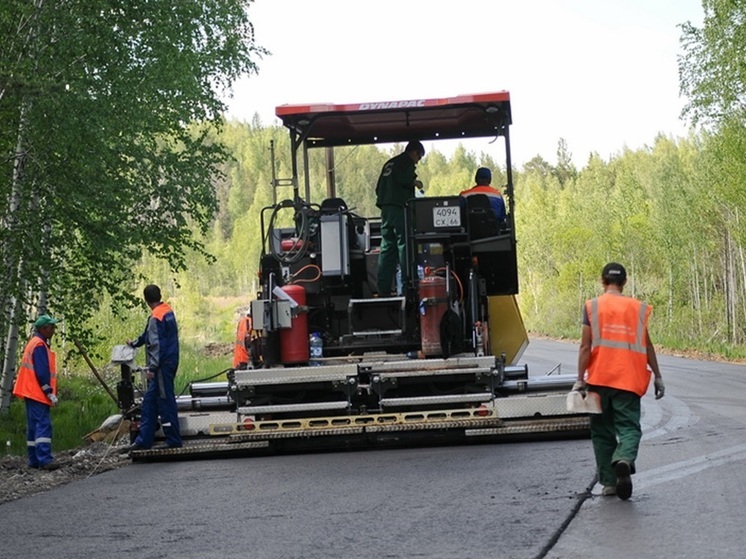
[(619, 355), (27, 385), (482, 189), (240, 351), (160, 311)]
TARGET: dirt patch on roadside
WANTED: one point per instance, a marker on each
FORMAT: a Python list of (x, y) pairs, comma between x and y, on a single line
[(17, 480), (216, 349)]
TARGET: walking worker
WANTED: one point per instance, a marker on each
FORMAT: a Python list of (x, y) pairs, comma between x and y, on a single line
[(396, 186), (483, 179), (36, 383), (161, 340), (615, 360)]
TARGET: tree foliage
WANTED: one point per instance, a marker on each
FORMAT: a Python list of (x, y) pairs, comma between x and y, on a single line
[(713, 75), (106, 108), (658, 210), (115, 159), (712, 66)]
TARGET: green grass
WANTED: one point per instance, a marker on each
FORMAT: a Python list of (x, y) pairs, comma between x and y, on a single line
[(85, 404)]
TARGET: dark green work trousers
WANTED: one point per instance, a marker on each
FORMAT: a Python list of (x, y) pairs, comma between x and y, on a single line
[(393, 249), (616, 431)]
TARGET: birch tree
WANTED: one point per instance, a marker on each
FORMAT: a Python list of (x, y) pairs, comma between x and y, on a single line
[(713, 75), (105, 161)]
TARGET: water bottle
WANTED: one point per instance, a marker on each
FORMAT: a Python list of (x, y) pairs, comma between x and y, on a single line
[(317, 349)]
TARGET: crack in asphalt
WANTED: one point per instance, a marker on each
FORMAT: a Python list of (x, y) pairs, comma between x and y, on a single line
[(582, 498)]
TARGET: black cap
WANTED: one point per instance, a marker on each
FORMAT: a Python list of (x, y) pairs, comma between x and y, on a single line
[(484, 174), (614, 273), (417, 146)]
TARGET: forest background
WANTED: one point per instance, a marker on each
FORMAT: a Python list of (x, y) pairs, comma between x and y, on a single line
[(670, 212), (119, 170)]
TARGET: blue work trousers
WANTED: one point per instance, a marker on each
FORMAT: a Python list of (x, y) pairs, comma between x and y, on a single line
[(38, 433), (159, 400)]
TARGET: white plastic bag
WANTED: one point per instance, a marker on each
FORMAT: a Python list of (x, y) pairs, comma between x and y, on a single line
[(577, 403), (123, 354)]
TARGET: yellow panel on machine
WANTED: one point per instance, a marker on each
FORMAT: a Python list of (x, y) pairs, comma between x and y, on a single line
[(506, 329)]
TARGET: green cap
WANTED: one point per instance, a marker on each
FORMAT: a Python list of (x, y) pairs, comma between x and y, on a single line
[(45, 320)]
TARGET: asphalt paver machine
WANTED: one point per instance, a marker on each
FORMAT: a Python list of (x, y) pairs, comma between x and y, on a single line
[(332, 364)]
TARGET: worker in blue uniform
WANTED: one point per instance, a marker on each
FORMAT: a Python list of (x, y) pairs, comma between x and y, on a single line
[(36, 383), (161, 340)]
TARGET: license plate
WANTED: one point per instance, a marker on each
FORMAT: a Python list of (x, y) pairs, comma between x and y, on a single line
[(447, 216)]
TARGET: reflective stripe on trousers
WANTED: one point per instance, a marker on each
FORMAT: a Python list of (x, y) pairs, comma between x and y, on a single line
[(159, 400), (38, 433)]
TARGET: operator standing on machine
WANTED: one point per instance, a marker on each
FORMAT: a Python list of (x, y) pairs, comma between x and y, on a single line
[(396, 186)]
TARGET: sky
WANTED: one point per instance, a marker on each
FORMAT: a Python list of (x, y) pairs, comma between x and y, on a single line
[(600, 74)]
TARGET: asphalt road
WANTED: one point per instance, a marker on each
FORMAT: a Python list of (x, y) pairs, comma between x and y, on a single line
[(518, 500)]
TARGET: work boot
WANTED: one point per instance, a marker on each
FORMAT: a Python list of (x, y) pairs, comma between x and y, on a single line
[(50, 466), (623, 479)]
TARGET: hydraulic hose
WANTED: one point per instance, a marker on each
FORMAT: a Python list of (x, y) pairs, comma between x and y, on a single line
[(300, 247)]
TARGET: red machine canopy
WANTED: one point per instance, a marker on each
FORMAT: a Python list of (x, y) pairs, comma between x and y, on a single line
[(464, 116)]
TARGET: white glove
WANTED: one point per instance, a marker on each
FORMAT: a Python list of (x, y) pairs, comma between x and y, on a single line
[(579, 386), (660, 388), (52, 398)]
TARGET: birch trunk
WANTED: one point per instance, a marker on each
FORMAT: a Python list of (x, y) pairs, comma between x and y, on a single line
[(11, 302), (730, 304), (11, 298)]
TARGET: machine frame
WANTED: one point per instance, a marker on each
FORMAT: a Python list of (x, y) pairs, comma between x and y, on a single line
[(438, 362)]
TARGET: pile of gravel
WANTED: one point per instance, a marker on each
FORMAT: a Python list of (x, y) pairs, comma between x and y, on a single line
[(17, 480)]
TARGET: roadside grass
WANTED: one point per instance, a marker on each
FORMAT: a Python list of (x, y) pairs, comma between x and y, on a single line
[(85, 404)]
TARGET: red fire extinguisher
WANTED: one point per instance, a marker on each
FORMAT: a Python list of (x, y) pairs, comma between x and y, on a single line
[(294, 340), (433, 305)]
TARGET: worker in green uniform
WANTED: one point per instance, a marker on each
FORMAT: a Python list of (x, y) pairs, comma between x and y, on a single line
[(396, 186)]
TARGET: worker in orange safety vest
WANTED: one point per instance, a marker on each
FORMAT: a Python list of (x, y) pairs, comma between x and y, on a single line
[(36, 384), (483, 178), (161, 340), (615, 360), (241, 357)]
